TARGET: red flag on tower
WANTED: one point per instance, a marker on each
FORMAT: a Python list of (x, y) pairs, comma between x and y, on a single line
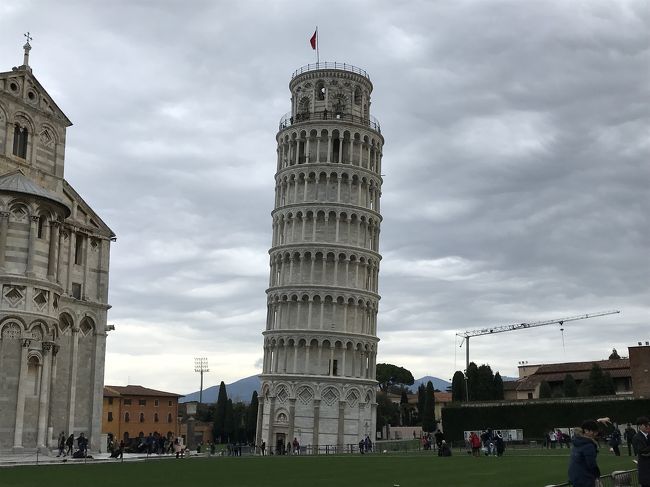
[(313, 41)]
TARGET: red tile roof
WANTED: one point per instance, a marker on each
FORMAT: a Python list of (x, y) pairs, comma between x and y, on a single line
[(116, 391)]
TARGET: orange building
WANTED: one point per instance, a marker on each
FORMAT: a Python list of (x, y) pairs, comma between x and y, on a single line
[(132, 411)]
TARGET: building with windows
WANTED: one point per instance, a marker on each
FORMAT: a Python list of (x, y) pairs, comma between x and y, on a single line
[(136, 411), (54, 265), (320, 343)]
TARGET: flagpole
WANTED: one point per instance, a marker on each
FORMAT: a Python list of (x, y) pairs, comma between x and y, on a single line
[(317, 48)]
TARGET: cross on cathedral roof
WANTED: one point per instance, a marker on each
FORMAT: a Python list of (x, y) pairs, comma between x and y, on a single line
[(27, 47)]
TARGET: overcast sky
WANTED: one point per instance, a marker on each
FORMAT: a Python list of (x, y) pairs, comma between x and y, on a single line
[(516, 166)]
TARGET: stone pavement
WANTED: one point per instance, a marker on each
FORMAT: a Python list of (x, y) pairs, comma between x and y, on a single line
[(14, 459)]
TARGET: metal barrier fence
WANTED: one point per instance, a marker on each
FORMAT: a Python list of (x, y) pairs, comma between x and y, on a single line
[(620, 478)]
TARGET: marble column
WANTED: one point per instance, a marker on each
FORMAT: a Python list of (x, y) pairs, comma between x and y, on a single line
[(53, 254), (72, 371), (260, 417), (33, 229), (315, 439), (4, 226), (340, 440), (269, 439), (20, 396), (43, 400)]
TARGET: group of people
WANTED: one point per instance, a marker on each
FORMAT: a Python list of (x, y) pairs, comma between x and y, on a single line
[(365, 445), (489, 442), (65, 445), (557, 437), (583, 467)]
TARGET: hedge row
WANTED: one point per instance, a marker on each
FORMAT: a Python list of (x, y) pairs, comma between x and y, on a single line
[(536, 418)]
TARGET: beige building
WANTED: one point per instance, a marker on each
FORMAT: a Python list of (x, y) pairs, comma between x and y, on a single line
[(135, 411), (320, 342), (54, 259)]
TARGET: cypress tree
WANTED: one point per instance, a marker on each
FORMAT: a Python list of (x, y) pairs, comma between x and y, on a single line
[(251, 418), (472, 381), (230, 426), (458, 393), (544, 390), (569, 386), (421, 390), (429, 415), (484, 388), (218, 429), (498, 386)]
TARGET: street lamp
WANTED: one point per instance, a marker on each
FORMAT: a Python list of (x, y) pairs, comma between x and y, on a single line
[(200, 366)]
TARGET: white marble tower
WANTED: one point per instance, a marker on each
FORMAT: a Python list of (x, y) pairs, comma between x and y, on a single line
[(320, 342)]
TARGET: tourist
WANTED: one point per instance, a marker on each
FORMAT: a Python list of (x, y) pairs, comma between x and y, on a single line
[(361, 446), (628, 435), (439, 436), (444, 450), (69, 443), (614, 442), (475, 443), (296, 446), (641, 443), (61, 444), (263, 448), (82, 443), (583, 468), (500, 445)]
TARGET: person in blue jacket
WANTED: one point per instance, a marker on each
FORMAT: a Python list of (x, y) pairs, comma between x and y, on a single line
[(583, 468)]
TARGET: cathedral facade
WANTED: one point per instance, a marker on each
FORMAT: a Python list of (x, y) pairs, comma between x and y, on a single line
[(320, 343), (54, 260)]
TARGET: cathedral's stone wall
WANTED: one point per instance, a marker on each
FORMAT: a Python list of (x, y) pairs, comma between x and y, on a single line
[(54, 262)]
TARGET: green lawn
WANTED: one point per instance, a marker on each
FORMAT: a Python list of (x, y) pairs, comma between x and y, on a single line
[(519, 468)]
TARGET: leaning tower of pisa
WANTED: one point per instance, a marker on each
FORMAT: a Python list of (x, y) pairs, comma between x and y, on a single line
[(320, 342)]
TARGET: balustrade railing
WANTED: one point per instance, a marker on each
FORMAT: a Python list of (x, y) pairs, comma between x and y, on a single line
[(288, 120), (330, 65)]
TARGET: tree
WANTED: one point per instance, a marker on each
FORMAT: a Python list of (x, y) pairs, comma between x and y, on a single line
[(458, 392), (498, 386), (429, 413), (545, 390), (421, 395), (472, 381), (569, 386), (484, 388), (387, 411), (389, 375), (218, 428), (403, 408), (229, 426), (251, 418), (600, 383)]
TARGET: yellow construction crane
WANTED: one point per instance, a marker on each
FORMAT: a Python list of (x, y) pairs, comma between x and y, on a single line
[(520, 326)]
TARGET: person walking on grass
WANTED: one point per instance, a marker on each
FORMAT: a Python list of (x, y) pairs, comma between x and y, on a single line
[(69, 443), (641, 444), (583, 467), (628, 435)]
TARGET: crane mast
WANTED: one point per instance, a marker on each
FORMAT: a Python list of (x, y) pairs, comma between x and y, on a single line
[(466, 335)]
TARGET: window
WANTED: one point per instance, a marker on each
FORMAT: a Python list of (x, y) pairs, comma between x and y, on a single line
[(156, 402), (41, 227), (127, 417), (127, 402), (169, 417), (334, 364), (142, 417), (110, 400), (155, 417), (142, 402), (78, 249), (110, 416), (20, 141), (76, 290), (170, 403)]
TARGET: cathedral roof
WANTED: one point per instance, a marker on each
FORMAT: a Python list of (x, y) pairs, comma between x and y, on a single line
[(47, 105), (17, 182)]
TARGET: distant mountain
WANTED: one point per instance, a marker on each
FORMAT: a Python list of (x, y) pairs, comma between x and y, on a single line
[(439, 384), (238, 391), (242, 390)]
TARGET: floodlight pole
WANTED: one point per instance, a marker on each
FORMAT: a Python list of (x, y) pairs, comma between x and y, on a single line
[(201, 366)]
